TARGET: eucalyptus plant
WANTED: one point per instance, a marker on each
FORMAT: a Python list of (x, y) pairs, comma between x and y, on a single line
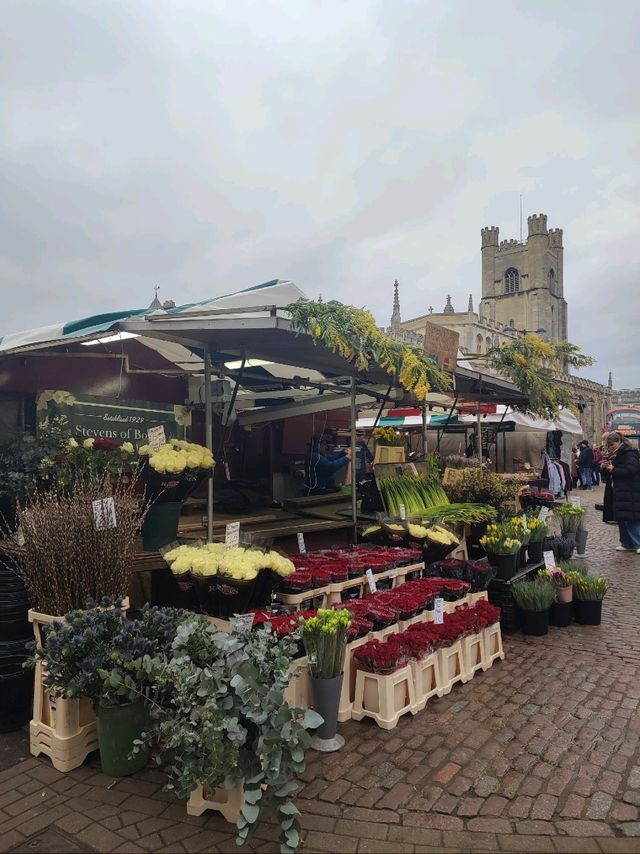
[(220, 718)]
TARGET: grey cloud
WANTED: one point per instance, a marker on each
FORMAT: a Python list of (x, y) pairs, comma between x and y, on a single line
[(205, 147)]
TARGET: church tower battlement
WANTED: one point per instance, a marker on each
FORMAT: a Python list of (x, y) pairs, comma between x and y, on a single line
[(522, 281)]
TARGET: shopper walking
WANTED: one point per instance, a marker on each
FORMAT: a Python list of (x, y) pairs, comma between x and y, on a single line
[(622, 463), (585, 464)]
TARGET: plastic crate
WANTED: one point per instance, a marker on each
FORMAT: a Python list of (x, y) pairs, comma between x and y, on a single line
[(501, 594)]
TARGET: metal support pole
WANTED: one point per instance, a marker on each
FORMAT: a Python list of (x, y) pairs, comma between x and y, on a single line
[(354, 462), (444, 430), (479, 435), (208, 431), (424, 431)]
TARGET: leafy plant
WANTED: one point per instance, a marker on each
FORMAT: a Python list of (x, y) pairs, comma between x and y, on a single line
[(325, 641), (99, 653), (220, 718), (533, 365), (536, 595), (353, 334)]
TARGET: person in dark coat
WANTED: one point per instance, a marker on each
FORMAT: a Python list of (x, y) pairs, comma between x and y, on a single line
[(585, 465), (622, 463), (320, 467)]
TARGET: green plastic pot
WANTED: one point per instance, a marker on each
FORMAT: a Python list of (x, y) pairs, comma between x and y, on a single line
[(118, 727)]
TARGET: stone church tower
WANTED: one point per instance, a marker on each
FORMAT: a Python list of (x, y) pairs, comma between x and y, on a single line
[(522, 283)]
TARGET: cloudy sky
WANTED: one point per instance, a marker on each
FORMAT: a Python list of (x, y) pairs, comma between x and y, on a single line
[(204, 146)]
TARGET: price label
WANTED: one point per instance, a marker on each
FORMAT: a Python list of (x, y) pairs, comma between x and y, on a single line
[(104, 513), (156, 437), (575, 500), (524, 522), (403, 512), (301, 546), (438, 610), (232, 535), (543, 512), (373, 587), (549, 560)]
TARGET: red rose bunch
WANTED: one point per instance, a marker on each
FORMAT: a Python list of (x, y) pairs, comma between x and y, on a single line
[(104, 445), (380, 656)]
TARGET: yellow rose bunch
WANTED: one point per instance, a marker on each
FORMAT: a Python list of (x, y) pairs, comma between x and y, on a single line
[(176, 456), (215, 558)]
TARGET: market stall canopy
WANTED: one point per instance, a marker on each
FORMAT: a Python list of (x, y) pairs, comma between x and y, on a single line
[(404, 421), (565, 421), (249, 325)]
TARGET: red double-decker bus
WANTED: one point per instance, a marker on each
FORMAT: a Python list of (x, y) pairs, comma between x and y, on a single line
[(624, 419)]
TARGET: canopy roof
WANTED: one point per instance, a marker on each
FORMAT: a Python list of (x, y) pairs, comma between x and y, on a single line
[(250, 324)]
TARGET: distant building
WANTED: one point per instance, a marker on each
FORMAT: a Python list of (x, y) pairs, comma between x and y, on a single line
[(522, 282), (522, 290)]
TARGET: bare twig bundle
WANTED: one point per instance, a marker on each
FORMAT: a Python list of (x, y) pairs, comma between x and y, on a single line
[(70, 554)]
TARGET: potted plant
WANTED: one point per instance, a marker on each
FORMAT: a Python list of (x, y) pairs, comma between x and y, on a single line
[(561, 546), (570, 516), (538, 530), (534, 599), (561, 613), (171, 472), (589, 593), (219, 719), (502, 549), (325, 641), (99, 654), (581, 538)]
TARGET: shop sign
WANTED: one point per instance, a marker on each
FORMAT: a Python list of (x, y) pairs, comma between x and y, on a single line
[(93, 417)]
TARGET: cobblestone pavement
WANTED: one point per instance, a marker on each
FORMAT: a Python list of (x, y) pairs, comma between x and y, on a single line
[(539, 754)]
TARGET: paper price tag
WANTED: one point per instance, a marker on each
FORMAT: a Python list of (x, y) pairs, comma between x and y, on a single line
[(373, 587), (575, 500), (438, 610), (403, 512), (301, 546), (156, 437), (543, 512), (104, 513), (232, 535), (549, 560)]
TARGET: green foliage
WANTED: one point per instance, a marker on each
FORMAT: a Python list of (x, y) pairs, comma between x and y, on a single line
[(220, 718), (481, 486), (353, 334), (533, 366), (536, 595), (100, 654)]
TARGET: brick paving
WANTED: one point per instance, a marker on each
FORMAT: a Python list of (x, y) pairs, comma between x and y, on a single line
[(539, 754)]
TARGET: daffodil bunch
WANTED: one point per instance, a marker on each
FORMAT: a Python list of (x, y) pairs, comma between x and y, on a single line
[(538, 529), (325, 641), (500, 540), (177, 456)]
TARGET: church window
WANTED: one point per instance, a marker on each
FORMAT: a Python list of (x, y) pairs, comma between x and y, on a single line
[(511, 281), (479, 344), (552, 277), (488, 343)]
